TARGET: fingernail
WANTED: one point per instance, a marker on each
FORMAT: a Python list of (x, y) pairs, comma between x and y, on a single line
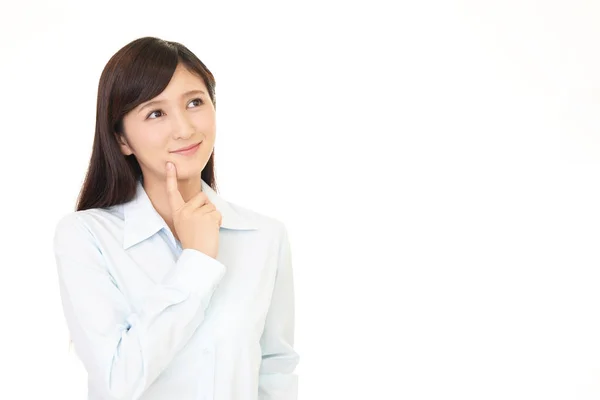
[(169, 165)]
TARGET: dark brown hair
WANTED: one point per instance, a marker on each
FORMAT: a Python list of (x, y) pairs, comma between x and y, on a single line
[(138, 72)]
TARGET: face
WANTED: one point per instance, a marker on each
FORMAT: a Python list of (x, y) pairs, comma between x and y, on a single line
[(174, 119)]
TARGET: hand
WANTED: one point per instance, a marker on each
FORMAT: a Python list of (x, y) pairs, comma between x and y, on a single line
[(196, 222)]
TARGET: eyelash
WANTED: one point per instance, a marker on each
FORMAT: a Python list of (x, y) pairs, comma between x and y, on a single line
[(152, 112)]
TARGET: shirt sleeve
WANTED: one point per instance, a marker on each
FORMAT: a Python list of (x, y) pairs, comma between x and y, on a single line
[(277, 380), (125, 351)]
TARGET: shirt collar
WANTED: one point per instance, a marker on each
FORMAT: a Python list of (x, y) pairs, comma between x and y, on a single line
[(141, 220)]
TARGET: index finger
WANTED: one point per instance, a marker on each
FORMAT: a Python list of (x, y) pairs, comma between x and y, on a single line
[(175, 199)]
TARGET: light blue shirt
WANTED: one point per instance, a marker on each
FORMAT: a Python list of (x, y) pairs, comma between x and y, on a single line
[(150, 320)]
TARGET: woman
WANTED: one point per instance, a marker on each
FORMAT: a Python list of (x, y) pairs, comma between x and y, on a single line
[(169, 291)]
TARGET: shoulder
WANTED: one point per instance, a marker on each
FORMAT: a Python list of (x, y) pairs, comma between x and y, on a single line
[(89, 217), (82, 224), (266, 224), (271, 230)]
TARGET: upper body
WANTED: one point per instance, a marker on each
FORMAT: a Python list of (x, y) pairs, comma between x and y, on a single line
[(169, 291), (150, 320)]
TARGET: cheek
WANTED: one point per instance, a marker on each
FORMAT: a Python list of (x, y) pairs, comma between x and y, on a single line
[(151, 148), (206, 122)]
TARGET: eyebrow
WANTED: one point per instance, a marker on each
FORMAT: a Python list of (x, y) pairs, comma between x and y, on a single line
[(190, 92)]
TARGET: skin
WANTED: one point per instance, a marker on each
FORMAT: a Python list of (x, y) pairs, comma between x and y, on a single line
[(152, 133)]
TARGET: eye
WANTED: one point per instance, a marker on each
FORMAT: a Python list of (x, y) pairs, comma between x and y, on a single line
[(152, 112), (199, 100)]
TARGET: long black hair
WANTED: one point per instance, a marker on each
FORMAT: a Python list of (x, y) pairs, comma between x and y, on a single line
[(138, 72)]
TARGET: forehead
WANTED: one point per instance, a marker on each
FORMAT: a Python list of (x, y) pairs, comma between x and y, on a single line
[(183, 79)]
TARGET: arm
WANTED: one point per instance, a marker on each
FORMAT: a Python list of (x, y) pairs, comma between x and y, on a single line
[(277, 380), (122, 351)]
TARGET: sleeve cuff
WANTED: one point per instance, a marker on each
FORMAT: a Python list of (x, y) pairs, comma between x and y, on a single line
[(194, 272)]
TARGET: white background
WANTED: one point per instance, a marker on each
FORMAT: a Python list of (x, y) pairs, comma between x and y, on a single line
[(437, 164)]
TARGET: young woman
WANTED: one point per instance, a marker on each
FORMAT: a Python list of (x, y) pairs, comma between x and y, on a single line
[(169, 291)]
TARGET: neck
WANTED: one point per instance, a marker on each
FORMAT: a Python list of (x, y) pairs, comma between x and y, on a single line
[(156, 188)]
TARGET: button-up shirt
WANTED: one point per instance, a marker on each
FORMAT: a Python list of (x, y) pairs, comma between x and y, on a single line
[(150, 320)]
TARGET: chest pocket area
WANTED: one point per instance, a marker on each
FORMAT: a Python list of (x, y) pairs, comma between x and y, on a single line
[(142, 268)]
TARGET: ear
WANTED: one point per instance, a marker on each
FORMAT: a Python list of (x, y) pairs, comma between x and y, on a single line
[(123, 145)]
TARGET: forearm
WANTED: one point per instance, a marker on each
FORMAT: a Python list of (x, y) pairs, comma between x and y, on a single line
[(124, 359), (277, 380)]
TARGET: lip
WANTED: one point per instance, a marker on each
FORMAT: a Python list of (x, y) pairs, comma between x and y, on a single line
[(188, 149)]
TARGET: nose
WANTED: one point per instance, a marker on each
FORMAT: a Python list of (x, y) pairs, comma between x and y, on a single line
[(184, 127)]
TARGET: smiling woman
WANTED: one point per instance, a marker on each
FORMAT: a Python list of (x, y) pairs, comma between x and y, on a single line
[(169, 290), (154, 95), (177, 120)]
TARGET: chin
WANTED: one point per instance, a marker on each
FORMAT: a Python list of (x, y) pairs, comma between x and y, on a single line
[(188, 170)]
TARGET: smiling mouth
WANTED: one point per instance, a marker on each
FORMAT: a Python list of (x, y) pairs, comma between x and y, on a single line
[(187, 150)]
